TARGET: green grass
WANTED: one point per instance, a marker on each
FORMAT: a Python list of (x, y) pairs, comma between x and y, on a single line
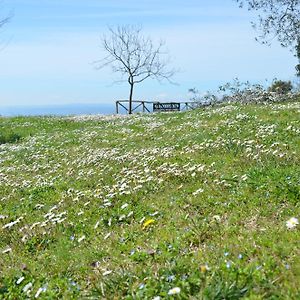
[(218, 184)]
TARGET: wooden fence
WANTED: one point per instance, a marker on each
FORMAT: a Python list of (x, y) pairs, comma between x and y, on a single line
[(155, 106)]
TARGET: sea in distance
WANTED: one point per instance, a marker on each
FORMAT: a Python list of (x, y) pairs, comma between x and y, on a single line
[(58, 110)]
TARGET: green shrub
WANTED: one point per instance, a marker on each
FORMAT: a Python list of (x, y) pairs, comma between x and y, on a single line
[(281, 87), (9, 137)]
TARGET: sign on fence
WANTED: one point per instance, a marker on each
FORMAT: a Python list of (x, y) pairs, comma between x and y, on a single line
[(170, 106)]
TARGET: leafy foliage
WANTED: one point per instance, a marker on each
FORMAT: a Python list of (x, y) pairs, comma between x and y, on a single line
[(281, 87), (278, 18), (9, 137)]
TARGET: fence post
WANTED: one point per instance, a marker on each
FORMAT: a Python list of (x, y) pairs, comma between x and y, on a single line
[(117, 107)]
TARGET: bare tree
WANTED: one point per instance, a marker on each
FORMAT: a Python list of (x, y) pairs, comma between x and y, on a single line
[(4, 21), (277, 19), (135, 57)]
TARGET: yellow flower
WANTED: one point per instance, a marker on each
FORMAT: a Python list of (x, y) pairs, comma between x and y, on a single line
[(204, 268), (147, 223)]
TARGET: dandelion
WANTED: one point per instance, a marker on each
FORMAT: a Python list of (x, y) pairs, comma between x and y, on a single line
[(292, 223), (174, 291), (148, 223), (204, 268)]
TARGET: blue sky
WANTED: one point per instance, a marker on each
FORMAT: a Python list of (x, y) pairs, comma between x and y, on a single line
[(49, 46)]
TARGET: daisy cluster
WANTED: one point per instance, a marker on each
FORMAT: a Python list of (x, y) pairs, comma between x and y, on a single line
[(140, 203)]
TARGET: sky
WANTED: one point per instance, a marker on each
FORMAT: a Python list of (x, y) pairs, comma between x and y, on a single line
[(48, 48)]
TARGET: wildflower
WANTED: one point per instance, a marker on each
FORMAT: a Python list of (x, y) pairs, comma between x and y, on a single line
[(217, 218), (147, 223), (156, 298), (27, 287), (292, 223), (244, 177), (7, 250), (124, 206), (154, 214), (122, 217), (106, 273), (174, 291), (12, 223), (107, 236), (20, 280), (171, 278), (97, 224), (39, 291), (204, 268), (81, 239), (142, 220), (198, 192)]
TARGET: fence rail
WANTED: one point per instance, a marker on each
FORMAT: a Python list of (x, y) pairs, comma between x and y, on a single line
[(155, 106)]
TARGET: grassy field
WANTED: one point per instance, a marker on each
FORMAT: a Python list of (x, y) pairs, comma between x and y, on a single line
[(190, 205)]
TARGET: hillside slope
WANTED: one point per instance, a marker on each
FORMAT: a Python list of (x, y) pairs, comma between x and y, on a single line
[(192, 204)]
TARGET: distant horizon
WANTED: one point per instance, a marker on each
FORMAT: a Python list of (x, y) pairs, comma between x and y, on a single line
[(49, 48), (62, 109)]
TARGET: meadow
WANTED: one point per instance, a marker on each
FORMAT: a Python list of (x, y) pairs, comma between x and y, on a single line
[(201, 204)]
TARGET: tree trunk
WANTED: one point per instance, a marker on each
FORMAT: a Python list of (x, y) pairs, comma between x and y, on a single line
[(130, 99)]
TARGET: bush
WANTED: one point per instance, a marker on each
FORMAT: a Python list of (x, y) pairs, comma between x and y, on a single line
[(281, 87), (9, 137), (245, 92)]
